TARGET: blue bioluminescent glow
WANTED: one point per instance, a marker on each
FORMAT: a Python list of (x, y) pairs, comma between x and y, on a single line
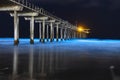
[(70, 54), (74, 45)]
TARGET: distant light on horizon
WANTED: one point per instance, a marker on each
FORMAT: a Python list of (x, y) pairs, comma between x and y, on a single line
[(80, 29), (83, 29)]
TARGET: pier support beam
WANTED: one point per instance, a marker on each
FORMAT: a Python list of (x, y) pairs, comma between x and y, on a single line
[(53, 33), (43, 31), (61, 34), (65, 35), (68, 34), (57, 31), (51, 30), (14, 9), (40, 32), (16, 25), (16, 28), (32, 30), (43, 21), (47, 32)]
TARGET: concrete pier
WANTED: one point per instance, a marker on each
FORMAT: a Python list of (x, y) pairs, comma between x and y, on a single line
[(16, 16), (33, 13)]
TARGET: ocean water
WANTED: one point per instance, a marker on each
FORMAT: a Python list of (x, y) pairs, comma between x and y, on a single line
[(77, 59)]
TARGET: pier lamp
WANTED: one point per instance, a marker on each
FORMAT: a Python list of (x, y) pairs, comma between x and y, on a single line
[(80, 29), (83, 31)]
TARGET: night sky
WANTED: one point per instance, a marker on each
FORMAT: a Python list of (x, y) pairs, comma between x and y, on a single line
[(101, 16)]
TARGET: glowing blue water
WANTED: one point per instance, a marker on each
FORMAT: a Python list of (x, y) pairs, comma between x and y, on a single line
[(86, 46), (92, 55)]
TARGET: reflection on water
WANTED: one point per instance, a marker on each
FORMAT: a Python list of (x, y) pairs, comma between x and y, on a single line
[(15, 63), (40, 63), (31, 62), (81, 60), (43, 56)]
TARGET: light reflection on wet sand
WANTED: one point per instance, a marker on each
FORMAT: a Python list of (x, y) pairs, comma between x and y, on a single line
[(42, 63), (15, 63)]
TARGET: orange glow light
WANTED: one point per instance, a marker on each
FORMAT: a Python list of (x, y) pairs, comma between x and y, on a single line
[(80, 29)]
